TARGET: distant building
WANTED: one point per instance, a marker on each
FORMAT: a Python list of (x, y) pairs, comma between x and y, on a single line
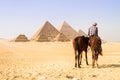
[(21, 38)]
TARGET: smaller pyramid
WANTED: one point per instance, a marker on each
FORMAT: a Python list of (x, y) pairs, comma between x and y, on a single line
[(46, 33), (61, 37), (67, 30), (21, 38)]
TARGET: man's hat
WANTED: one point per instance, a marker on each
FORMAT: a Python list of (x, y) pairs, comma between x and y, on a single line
[(94, 24)]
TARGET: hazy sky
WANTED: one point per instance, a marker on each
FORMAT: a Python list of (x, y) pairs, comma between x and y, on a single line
[(27, 16)]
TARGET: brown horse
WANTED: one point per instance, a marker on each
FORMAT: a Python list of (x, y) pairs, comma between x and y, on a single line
[(95, 44), (80, 44)]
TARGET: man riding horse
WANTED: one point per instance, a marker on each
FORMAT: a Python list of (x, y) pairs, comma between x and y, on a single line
[(94, 43)]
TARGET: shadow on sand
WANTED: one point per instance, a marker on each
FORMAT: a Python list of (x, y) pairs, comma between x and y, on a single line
[(110, 66)]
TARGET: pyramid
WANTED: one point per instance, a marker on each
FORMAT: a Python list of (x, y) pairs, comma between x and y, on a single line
[(21, 38), (61, 37), (67, 30), (46, 33), (81, 33)]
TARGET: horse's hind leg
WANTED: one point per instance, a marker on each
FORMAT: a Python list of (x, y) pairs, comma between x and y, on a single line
[(97, 63), (76, 57), (80, 58), (86, 57), (93, 59), (96, 58), (79, 54), (75, 52)]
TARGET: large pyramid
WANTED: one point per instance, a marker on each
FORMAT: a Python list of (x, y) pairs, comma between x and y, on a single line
[(46, 33), (67, 30)]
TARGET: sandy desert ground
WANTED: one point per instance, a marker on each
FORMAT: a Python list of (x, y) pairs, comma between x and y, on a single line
[(55, 61)]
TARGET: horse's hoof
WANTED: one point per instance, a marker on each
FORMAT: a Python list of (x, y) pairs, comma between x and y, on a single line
[(79, 67), (87, 64), (80, 63), (97, 66), (75, 65)]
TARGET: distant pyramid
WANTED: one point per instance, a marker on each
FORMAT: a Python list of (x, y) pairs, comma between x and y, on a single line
[(61, 37), (46, 33), (67, 30), (21, 38)]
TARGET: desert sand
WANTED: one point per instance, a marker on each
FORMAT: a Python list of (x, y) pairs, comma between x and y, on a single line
[(55, 61)]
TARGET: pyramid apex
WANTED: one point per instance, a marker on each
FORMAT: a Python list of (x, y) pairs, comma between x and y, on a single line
[(65, 22), (47, 22)]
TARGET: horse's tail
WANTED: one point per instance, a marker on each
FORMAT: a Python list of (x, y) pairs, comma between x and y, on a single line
[(77, 44), (99, 50), (98, 47)]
